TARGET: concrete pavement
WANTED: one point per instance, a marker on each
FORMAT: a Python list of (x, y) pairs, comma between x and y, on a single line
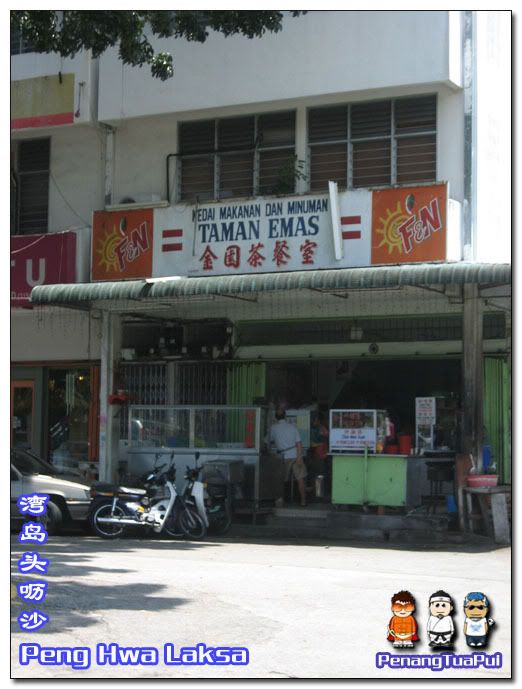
[(309, 610)]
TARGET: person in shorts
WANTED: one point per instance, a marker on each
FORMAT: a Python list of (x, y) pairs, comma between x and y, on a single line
[(285, 437)]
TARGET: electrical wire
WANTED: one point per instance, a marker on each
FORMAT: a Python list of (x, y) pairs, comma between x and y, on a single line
[(85, 222)]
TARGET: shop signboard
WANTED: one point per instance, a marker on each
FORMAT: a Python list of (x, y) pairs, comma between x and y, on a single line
[(42, 101), (122, 244), (409, 224), (353, 430), (272, 235), (261, 236), (41, 259)]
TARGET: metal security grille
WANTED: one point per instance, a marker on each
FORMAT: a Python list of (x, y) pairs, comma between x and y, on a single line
[(145, 384), (237, 156), (199, 383), (33, 186), (373, 144), (429, 329)]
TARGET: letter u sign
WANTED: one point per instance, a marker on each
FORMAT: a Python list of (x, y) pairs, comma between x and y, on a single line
[(29, 272)]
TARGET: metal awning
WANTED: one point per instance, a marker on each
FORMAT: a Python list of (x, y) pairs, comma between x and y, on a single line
[(374, 277)]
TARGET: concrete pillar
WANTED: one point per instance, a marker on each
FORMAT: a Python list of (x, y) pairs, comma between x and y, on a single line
[(472, 375), (110, 349)]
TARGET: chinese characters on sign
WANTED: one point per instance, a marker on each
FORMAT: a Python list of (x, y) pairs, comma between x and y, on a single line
[(34, 505), (280, 255)]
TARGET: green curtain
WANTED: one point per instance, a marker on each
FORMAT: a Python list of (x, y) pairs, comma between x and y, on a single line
[(245, 382), (496, 415)]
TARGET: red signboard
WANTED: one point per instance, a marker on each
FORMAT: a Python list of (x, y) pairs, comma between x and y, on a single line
[(41, 259)]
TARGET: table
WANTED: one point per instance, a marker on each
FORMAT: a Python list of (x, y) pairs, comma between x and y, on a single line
[(497, 525)]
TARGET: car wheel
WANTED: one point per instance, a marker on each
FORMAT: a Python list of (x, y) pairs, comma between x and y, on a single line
[(53, 518)]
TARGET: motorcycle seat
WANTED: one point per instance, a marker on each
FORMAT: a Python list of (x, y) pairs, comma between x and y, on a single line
[(103, 487), (132, 491)]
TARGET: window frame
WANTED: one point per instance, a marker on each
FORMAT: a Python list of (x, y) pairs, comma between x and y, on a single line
[(393, 138), (217, 154), (21, 175)]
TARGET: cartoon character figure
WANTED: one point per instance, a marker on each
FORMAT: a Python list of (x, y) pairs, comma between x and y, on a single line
[(477, 624), (402, 628), (441, 629)]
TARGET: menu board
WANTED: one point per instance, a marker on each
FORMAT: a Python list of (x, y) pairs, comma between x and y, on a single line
[(425, 411), (353, 430), (425, 420)]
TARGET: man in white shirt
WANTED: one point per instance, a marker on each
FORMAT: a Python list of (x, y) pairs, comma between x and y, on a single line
[(287, 441)]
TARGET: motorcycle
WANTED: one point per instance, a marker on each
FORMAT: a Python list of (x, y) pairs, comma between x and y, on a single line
[(114, 508), (212, 499)]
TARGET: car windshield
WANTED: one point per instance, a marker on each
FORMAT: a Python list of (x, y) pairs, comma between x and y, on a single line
[(27, 463)]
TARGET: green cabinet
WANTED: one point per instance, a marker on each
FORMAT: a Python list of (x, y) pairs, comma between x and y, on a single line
[(373, 480)]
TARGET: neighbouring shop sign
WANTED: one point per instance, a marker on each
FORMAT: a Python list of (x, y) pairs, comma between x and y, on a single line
[(122, 244), (41, 259)]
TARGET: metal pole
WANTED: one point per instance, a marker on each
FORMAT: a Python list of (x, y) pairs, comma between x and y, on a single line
[(472, 375)]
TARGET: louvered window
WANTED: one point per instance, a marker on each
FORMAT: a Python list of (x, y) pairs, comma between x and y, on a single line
[(33, 186), (237, 157), (373, 144), (276, 150), (328, 138)]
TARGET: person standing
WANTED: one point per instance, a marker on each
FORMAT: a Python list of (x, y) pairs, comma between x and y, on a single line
[(287, 441)]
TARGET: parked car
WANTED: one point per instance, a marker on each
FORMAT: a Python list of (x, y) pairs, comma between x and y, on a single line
[(69, 500)]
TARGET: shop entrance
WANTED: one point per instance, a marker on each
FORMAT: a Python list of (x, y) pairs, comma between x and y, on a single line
[(22, 413), (72, 438)]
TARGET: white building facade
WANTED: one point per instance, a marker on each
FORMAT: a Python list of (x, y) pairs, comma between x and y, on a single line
[(351, 171)]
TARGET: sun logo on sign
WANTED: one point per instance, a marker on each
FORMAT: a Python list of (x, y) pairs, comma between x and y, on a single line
[(106, 250), (389, 227), (108, 244)]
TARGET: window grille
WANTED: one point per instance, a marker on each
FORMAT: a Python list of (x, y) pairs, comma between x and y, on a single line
[(236, 157), (33, 186), (373, 144)]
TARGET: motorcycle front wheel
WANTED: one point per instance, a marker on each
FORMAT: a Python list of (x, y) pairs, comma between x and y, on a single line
[(107, 530), (192, 524), (172, 526)]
